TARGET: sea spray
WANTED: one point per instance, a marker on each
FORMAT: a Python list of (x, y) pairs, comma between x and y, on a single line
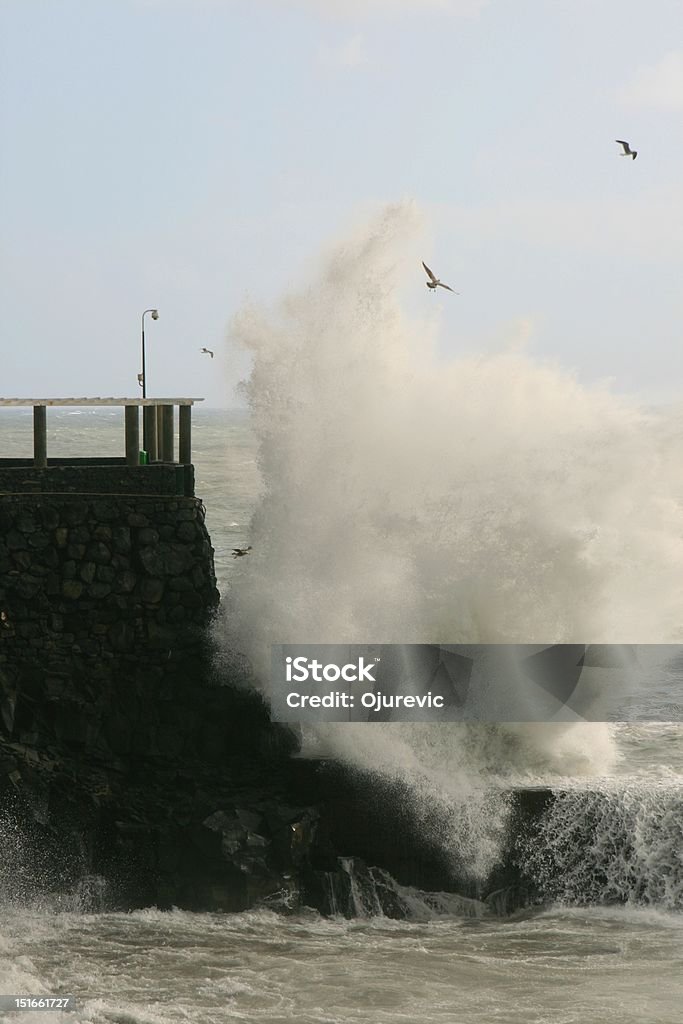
[(610, 843), (413, 498)]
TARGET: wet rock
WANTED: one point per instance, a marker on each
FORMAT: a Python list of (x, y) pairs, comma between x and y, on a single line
[(121, 540), (152, 590), (99, 553), (125, 582), (152, 561), (148, 537), (87, 572), (28, 586)]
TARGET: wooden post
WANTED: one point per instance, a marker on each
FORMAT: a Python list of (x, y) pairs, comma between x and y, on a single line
[(39, 436), (185, 431), (167, 433), (132, 435), (150, 436), (160, 434)]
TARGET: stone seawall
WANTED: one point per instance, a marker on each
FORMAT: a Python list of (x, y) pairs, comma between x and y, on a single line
[(101, 476), (128, 753), (123, 750), (99, 588)]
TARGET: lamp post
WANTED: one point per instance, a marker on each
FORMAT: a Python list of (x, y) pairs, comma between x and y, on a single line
[(155, 316)]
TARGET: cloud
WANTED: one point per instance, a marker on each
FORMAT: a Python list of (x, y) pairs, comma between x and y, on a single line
[(349, 54), (658, 85), (463, 8), (641, 225), (345, 8)]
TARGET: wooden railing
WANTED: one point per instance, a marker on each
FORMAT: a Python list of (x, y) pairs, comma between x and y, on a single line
[(157, 427)]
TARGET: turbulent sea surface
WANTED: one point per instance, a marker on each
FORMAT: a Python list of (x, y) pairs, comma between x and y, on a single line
[(570, 964)]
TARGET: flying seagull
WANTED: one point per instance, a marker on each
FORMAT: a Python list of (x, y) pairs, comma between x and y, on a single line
[(240, 552), (633, 153), (434, 282), (207, 351)]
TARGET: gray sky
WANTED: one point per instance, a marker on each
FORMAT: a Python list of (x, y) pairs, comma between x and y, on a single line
[(194, 154)]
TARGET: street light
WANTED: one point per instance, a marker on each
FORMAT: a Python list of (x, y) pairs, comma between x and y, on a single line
[(143, 375)]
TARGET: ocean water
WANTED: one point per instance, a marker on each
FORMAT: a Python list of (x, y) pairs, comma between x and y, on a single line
[(450, 965), (394, 493)]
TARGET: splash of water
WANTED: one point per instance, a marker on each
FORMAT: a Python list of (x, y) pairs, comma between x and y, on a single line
[(610, 844), (408, 498)]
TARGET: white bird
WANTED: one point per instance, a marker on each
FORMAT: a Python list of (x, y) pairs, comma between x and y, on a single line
[(633, 153), (207, 351), (434, 282)]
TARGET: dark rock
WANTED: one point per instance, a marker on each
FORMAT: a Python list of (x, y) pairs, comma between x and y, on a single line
[(15, 540), (152, 561), (28, 586), (22, 559), (177, 561), (152, 590), (7, 706), (99, 552), (125, 582), (76, 513), (72, 589), (38, 541), (180, 583), (39, 570), (122, 636), (148, 536), (87, 572), (105, 511), (187, 532), (121, 541), (49, 517)]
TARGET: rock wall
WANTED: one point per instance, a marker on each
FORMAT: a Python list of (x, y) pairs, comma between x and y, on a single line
[(127, 753), (101, 476), (98, 588), (122, 750)]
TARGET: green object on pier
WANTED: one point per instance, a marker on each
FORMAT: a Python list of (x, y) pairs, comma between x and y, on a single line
[(144, 458)]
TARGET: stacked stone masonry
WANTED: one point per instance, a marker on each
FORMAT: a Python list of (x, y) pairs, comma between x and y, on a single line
[(100, 584)]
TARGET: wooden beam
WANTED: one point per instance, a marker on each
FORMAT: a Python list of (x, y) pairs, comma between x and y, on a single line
[(167, 433), (39, 436), (185, 431), (132, 417), (7, 402), (149, 432)]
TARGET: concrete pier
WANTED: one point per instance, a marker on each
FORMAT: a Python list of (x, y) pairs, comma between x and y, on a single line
[(158, 420)]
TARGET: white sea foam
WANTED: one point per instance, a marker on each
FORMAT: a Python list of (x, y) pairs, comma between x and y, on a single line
[(412, 498)]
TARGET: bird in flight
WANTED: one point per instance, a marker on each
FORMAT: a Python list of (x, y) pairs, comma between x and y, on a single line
[(633, 153), (207, 351), (434, 282), (240, 552)]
